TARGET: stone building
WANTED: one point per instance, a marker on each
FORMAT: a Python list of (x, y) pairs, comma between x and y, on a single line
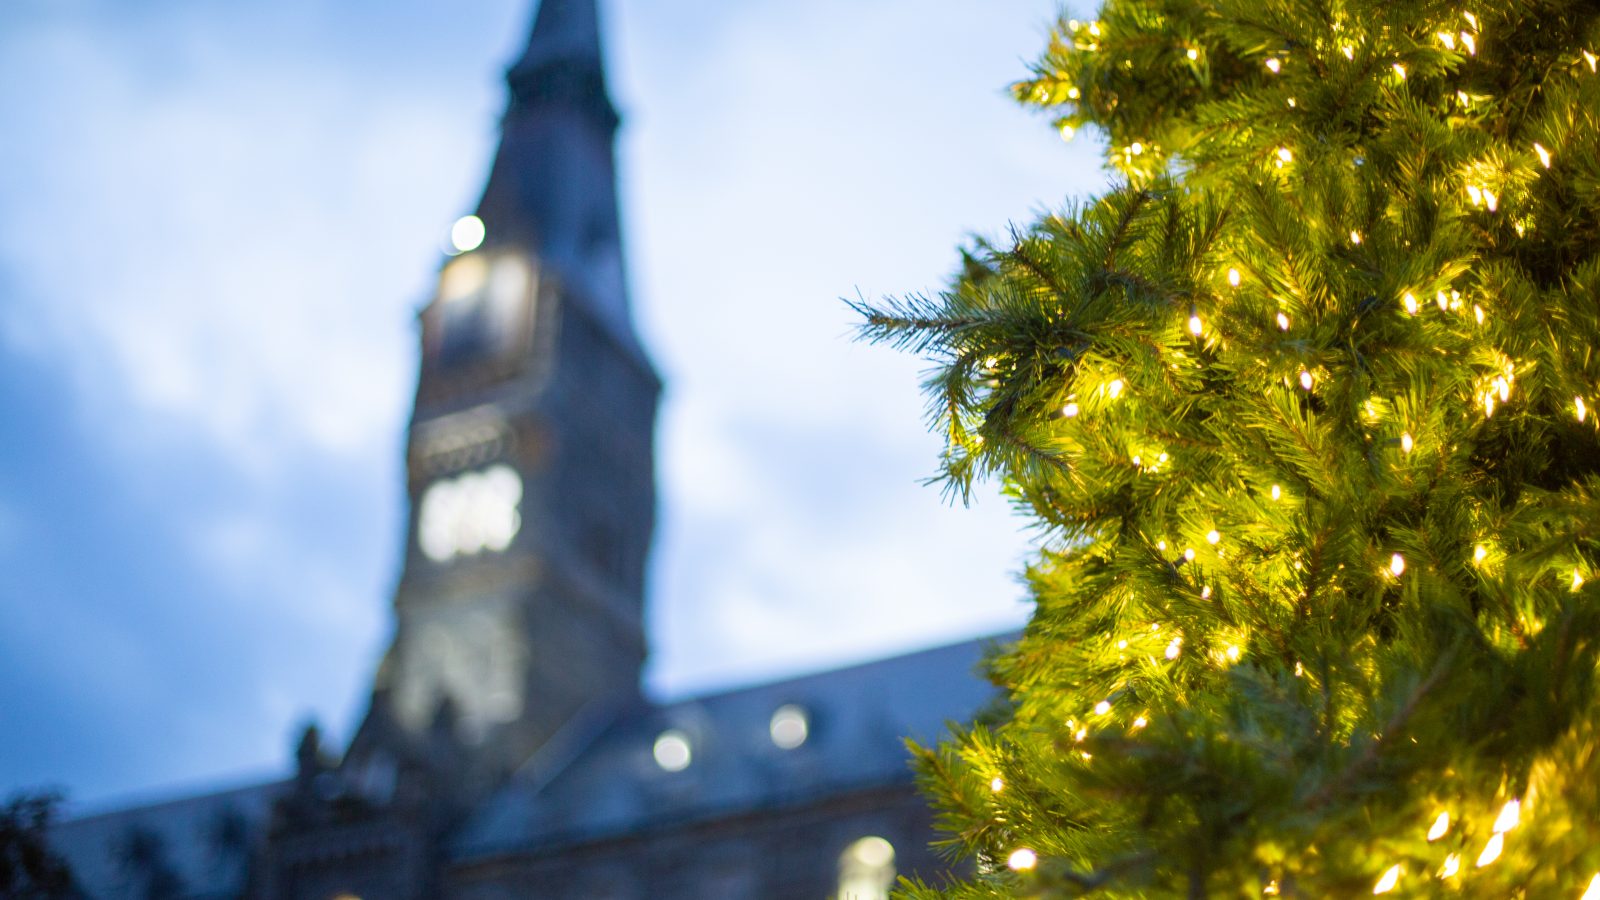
[(507, 750)]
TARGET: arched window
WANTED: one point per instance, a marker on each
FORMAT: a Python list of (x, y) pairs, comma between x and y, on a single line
[(866, 870)]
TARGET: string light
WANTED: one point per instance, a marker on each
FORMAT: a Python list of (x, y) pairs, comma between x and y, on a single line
[(1471, 45), (1140, 723), (1452, 865), (1471, 20), (1193, 54), (1175, 648), (1284, 155), (1070, 410), (1136, 148), (1491, 850), (1544, 155), (1388, 881), (1440, 826), (1195, 325), (1477, 313), (1073, 93), (1591, 60), (1213, 536), (1355, 236), (1283, 322), (1233, 653), (1103, 707), (1447, 39), (1276, 492), (1406, 443), (1583, 411), (1397, 565), (1188, 554), (1400, 71), (996, 785), (1274, 65), (1510, 816), (1410, 301), (1305, 379), (1479, 552), (1233, 277), (1114, 388), (1022, 859), (1577, 580), (1349, 51), (1442, 300), (1490, 200), (1067, 131), (1593, 893)]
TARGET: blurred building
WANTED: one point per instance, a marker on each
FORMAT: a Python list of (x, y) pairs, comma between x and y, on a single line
[(507, 750)]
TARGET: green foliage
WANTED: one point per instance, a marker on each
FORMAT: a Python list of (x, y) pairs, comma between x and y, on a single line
[(1306, 407)]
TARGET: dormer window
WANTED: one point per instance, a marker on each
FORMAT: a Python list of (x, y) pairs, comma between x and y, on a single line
[(790, 726)]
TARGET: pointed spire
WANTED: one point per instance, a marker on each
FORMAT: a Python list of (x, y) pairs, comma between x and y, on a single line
[(562, 63), (566, 31)]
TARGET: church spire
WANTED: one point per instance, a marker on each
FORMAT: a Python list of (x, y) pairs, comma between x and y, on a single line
[(564, 30), (563, 62)]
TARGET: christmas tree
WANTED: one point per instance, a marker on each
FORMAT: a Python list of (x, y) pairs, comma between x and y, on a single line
[(1304, 409)]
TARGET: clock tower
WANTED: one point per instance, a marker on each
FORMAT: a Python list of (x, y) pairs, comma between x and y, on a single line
[(530, 451)]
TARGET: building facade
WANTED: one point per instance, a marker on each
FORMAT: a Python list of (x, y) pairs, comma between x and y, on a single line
[(507, 750)]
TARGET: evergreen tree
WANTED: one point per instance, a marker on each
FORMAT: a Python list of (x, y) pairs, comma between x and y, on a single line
[(1304, 405)]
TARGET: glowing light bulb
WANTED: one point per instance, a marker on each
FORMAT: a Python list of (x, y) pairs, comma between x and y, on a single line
[(1440, 826), (1471, 20), (1591, 59), (1583, 411), (1140, 723), (1073, 93), (1291, 103), (1103, 707), (1349, 51), (1188, 554), (1410, 302), (1022, 859), (1070, 410), (1475, 194), (1510, 815), (996, 785), (1283, 322), (1491, 850), (1406, 443), (1577, 579), (1205, 592), (1067, 131), (1452, 865), (1161, 545), (1284, 154), (1488, 406), (1503, 388), (1193, 54), (1491, 200), (1400, 71), (1442, 300), (1274, 65), (1471, 45), (1094, 28), (1213, 536), (1114, 388), (1233, 277), (1477, 313), (1355, 237), (1397, 565), (1233, 653), (1196, 327), (1593, 893), (467, 234), (1447, 39), (1388, 881), (1175, 648), (1277, 492), (1479, 552), (1305, 379), (1544, 155)]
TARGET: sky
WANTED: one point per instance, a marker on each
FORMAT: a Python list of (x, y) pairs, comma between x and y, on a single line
[(218, 220)]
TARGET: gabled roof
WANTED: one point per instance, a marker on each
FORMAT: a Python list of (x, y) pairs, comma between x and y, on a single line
[(204, 840), (612, 785)]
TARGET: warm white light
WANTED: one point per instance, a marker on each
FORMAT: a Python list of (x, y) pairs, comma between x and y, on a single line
[(1188, 554), (1103, 707), (790, 726), (1174, 648), (1410, 302), (1491, 850), (1388, 881), (1544, 155), (1349, 51), (1355, 237), (1073, 93), (1397, 565), (1305, 379), (467, 233), (672, 751), (1067, 131), (1213, 536), (1274, 65), (1447, 39), (874, 852), (1284, 154), (1471, 44), (1277, 492), (1135, 148), (1114, 388), (1283, 322), (1070, 410), (1442, 300), (466, 515), (1583, 411), (1195, 325), (1233, 277), (1491, 200), (1440, 826), (1140, 722), (1479, 552), (1593, 893), (1577, 579), (1022, 859), (1233, 653), (1193, 53), (1452, 865), (1400, 71), (1406, 443), (996, 784), (1591, 59)]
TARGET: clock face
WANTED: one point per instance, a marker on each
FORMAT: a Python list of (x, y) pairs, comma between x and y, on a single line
[(483, 312), (472, 658), (470, 514)]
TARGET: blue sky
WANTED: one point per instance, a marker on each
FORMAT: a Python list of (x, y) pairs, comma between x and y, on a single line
[(218, 220)]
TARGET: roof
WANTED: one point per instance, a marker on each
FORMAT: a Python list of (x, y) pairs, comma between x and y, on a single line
[(204, 840), (612, 784)]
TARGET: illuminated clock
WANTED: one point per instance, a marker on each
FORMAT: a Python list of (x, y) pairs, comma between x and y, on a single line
[(470, 514)]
